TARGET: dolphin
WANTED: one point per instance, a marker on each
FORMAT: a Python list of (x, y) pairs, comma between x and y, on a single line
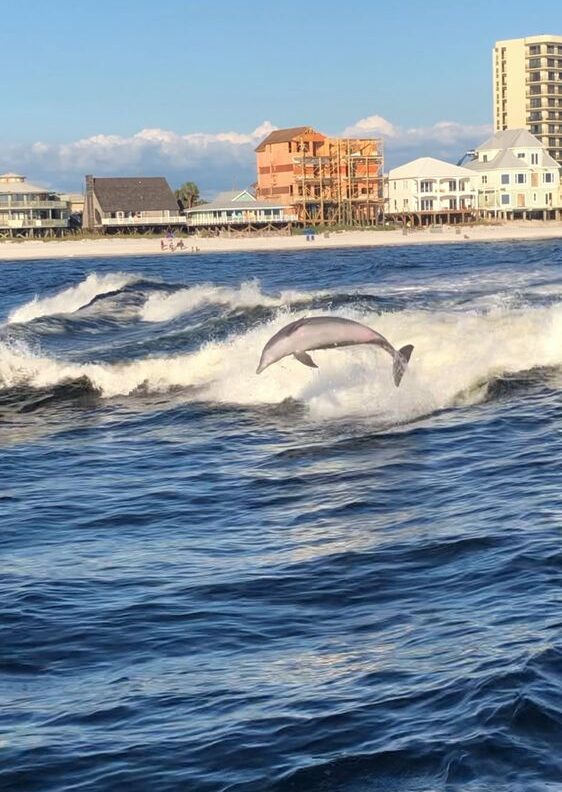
[(328, 332)]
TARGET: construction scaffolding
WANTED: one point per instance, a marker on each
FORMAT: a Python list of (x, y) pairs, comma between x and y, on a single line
[(325, 181), (338, 181)]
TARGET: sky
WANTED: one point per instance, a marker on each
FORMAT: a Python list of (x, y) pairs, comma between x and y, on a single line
[(187, 89)]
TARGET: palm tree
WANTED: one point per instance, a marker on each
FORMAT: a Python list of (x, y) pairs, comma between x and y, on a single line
[(188, 195)]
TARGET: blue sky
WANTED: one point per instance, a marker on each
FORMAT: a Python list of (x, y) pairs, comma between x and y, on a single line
[(186, 89)]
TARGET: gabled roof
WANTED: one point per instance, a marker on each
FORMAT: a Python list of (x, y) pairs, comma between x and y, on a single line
[(226, 201), (504, 142), (511, 138), (287, 135), (134, 194), (428, 167), (505, 160), (229, 196)]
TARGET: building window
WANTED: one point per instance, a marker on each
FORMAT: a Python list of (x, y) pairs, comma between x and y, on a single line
[(426, 186), (505, 199), (505, 178), (484, 158), (534, 159), (426, 204), (521, 155), (520, 178), (484, 180), (548, 178)]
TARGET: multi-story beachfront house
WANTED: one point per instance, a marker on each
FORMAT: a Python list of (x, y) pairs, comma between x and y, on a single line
[(27, 210), (428, 190), (239, 210), (516, 177), (130, 204), (326, 180), (528, 88)]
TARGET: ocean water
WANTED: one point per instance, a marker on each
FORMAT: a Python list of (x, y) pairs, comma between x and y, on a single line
[(303, 580)]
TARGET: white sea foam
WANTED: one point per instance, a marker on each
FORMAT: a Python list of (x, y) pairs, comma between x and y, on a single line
[(454, 355), (72, 298), (163, 307)]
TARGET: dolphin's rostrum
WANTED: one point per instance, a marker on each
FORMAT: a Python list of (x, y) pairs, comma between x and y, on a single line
[(328, 332)]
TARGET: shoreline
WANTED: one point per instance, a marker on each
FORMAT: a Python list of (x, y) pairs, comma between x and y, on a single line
[(530, 231)]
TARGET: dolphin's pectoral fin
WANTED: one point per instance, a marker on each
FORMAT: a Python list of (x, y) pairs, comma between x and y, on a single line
[(305, 359)]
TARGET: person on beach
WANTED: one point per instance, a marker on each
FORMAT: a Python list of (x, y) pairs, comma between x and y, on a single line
[(162, 245)]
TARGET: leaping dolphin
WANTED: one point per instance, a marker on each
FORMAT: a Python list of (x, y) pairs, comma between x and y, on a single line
[(328, 332)]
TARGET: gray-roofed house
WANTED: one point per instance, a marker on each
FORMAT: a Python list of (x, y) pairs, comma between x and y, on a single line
[(240, 210), (27, 210), (130, 204), (516, 177)]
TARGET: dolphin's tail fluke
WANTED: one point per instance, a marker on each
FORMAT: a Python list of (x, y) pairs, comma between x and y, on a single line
[(401, 359)]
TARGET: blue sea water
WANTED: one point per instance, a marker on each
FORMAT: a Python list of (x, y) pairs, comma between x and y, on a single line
[(303, 580)]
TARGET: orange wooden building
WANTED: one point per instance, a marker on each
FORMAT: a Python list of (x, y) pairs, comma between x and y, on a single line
[(328, 181)]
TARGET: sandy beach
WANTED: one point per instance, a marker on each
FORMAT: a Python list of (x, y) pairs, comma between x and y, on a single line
[(111, 246)]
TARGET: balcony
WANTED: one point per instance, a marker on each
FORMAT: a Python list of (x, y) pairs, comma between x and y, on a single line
[(34, 205), (27, 223), (209, 220), (132, 222)]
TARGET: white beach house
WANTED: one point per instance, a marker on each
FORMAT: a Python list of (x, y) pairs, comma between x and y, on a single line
[(516, 177), (428, 190), (27, 210)]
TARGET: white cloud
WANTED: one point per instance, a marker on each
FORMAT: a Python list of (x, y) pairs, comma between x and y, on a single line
[(372, 126), (445, 139), (215, 161)]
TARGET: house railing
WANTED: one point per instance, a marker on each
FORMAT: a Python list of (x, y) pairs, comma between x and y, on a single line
[(143, 221), (34, 205), (207, 220), (27, 223)]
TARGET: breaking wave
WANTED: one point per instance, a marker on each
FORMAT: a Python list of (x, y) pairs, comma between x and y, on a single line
[(456, 358), (163, 307), (73, 298)]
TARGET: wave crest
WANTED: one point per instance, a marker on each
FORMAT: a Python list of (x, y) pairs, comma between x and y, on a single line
[(163, 307), (455, 356), (73, 298)]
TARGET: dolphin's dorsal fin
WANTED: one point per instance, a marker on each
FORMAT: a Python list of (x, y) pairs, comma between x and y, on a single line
[(305, 359)]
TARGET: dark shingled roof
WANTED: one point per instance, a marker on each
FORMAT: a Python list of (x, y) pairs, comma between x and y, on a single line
[(286, 135), (135, 194)]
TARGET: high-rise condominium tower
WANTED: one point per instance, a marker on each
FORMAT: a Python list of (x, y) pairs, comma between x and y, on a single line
[(528, 88)]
